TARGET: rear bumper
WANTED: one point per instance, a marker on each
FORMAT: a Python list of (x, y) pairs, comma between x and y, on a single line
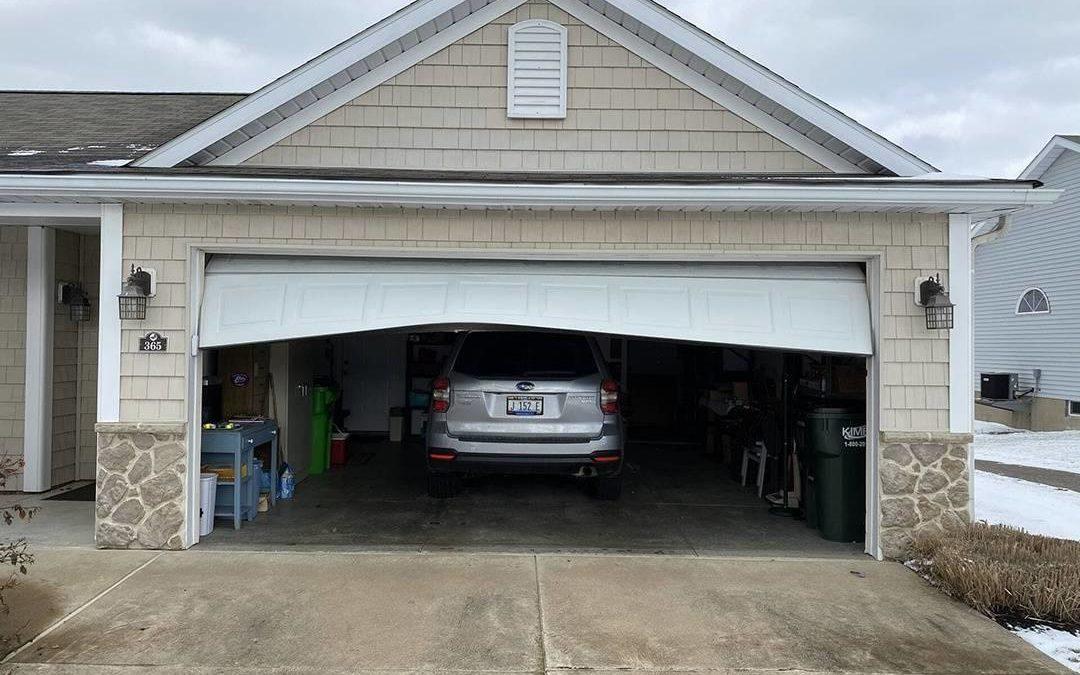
[(569, 465), (578, 457)]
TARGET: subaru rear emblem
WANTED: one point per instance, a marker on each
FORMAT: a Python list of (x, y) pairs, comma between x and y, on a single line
[(525, 386)]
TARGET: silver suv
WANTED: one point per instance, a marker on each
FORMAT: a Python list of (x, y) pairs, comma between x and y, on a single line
[(513, 401)]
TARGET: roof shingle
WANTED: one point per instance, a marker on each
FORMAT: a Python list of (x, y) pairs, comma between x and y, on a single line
[(67, 130)]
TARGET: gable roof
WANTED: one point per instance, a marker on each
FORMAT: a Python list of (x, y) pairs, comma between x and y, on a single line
[(59, 129), (424, 27), (1049, 154)]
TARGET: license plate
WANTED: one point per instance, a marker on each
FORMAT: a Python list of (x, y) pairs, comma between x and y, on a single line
[(525, 405)]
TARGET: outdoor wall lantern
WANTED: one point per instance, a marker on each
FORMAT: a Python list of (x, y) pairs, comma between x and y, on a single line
[(138, 287), (931, 296), (72, 294)]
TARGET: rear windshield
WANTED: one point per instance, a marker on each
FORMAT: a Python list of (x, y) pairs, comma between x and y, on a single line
[(521, 355)]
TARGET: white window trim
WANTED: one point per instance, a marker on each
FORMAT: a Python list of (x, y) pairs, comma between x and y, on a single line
[(1024, 294), (1068, 409), (511, 44)]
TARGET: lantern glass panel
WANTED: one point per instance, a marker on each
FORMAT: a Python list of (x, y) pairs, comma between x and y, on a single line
[(132, 307)]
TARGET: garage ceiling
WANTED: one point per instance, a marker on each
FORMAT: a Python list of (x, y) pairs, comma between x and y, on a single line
[(815, 307)]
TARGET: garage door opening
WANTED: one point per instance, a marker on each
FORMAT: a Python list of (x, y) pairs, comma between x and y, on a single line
[(718, 453)]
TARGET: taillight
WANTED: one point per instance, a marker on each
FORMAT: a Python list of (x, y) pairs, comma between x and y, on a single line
[(609, 397), (440, 395), (442, 454), (606, 456)]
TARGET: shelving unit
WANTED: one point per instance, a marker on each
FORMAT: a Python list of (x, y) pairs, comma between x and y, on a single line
[(425, 355)]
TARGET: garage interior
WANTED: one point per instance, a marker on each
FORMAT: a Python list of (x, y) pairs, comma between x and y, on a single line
[(731, 374), (697, 417)]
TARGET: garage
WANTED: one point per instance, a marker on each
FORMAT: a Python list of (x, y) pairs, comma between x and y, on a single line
[(722, 368)]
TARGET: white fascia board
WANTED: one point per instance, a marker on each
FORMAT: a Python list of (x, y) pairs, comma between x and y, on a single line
[(771, 85), (296, 82), (365, 83), (707, 87), (1047, 156), (878, 194)]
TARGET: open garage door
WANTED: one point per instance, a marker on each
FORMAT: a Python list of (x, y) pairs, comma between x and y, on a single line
[(818, 307)]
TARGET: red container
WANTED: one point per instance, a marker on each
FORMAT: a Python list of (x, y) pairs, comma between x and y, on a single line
[(337, 449)]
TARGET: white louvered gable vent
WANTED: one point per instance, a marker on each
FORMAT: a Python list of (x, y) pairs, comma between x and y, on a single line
[(536, 70)]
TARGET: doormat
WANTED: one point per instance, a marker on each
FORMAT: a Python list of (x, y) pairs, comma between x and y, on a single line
[(86, 493)]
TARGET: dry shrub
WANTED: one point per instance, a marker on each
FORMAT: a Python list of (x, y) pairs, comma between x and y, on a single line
[(1005, 573)]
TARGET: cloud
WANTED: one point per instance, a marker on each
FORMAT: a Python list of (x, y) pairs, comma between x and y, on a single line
[(187, 50)]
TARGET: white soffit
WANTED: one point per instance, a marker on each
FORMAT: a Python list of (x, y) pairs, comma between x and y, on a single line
[(379, 53), (818, 307)]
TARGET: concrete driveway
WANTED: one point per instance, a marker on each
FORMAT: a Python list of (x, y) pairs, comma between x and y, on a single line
[(224, 611)]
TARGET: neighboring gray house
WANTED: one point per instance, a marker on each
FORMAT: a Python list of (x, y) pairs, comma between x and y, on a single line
[(1027, 300)]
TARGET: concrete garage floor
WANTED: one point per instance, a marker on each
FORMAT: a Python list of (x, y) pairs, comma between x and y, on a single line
[(676, 501), (245, 612)]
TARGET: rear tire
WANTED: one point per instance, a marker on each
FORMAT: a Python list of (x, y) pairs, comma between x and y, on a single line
[(441, 485), (607, 488)]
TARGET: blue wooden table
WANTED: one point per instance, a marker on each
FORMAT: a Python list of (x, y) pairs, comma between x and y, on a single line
[(239, 498)]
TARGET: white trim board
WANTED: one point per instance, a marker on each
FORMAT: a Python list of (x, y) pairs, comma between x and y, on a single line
[(875, 194), (110, 278), (1047, 156), (415, 32), (961, 346)]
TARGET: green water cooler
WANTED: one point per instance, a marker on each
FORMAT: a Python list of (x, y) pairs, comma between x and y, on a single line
[(322, 403)]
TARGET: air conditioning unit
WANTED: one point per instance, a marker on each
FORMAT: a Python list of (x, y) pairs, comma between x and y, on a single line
[(998, 386)]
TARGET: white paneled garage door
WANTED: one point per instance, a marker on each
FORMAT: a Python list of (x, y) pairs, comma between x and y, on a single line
[(818, 307)]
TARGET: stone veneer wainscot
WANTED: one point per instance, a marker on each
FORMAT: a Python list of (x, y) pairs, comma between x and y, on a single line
[(924, 485), (140, 480)]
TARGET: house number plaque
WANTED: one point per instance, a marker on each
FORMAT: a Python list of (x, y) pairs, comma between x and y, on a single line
[(153, 342)]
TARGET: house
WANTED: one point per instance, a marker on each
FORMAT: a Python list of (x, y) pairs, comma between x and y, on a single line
[(1027, 301), (599, 166)]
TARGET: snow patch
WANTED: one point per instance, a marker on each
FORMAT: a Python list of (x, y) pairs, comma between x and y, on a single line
[(109, 162), (993, 428), (1037, 508), (24, 153), (1058, 450), (1060, 645)]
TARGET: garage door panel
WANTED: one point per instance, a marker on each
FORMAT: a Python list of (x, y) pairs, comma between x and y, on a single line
[(785, 306), (667, 307), (575, 301), (492, 298), (323, 302)]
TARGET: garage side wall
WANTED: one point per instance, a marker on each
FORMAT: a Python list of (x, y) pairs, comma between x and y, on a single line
[(914, 391), (12, 348)]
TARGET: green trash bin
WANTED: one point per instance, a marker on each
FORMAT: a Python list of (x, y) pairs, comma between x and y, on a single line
[(837, 438), (322, 402)]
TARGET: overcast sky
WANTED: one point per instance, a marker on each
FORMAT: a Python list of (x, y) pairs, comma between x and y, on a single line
[(972, 86)]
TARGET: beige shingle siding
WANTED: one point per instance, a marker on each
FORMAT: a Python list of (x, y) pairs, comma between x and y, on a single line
[(12, 342), (65, 365), (89, 270), (915, 360), (449, 112)]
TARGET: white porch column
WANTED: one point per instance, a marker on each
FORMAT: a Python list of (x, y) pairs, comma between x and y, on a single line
[(109, 282), (40, 305), (961, 345)]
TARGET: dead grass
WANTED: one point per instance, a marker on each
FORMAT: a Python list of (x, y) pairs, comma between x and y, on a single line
[(1005, 573)]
